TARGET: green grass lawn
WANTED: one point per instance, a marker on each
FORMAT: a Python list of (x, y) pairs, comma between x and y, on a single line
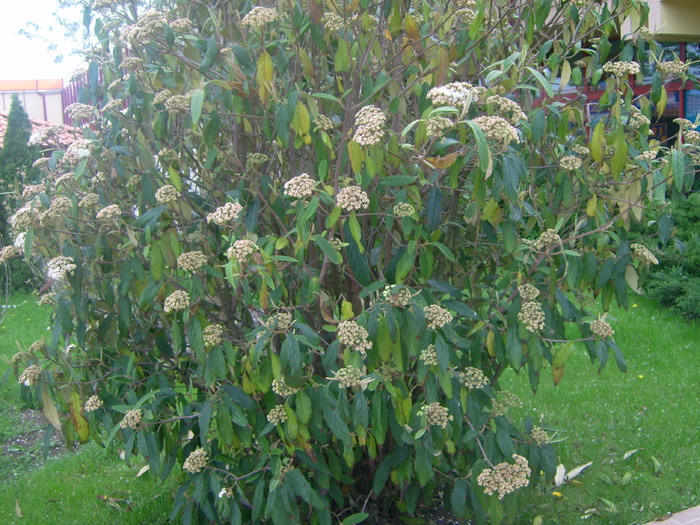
[(654, 407), (89, 485)]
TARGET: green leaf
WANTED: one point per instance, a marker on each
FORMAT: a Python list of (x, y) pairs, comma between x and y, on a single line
[(542, 81), (619, 160), (328, 249), (204, 421), (445, 251), (514, 348), (458, 498), (424, 465), (196, 104), (396, 180), (482, 148), (355, 518), (597, 145), (678, 169), (433, 208)]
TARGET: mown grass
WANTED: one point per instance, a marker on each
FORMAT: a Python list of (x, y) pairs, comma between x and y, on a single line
[(603, 415), (89, 485)]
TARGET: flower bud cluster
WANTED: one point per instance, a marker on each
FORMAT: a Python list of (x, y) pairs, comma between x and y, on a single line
[(672, 68), (539, 437), (226, 213), (150, 23), (43, 135), (352, 198), (692, 137), (532, 316), (256, 159), (277, 415), (429, 356), (181, 24), (354, 336), (259, 16), (299, 187), (213, 335), (241, 250), (637, 119), (546, 239), (648, 155), (683, 123), (178, 300), (58, 267), (602, 329), (23, 218), (178, 102), (437, 316), (332, 21), (507, 108), (132, 419), (528, 292), (281, 321), (30, 376), (162, 96), (58, 209), (196, 461), (32, 189), (167, 194), (323, 123), (506, 400), (191, 261), (436, 126), (497, 129), (505, 478), (111, 212), (399, 299), (643, 254), (93, 403), (436, 415), (622, 69), (348, 377), (8, 252), (131, 64), (472, 378), (281, 388), (570, 163), (369, 126), (581, 150)]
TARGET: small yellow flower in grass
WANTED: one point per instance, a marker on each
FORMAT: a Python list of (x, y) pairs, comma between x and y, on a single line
[(640, 376), (634, 306), (557, 494)]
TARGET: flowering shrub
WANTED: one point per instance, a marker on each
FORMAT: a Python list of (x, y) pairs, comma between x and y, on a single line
[(298, 254)]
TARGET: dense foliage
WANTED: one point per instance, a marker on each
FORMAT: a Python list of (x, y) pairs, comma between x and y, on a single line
[(299, 245)]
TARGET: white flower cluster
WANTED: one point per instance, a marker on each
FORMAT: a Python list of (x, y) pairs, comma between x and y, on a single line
[(622, 69), (31, 190), (241, 250), (505, 478), (332, 21), (348, 377), (637, 119), (507, 108), (528, 292), (437, 316), (472, 378), (299, 187), (42, 163), (354, 336), (403, 209), (539, 436), (58, 209), (191, 261), (532, 316), (30, 376), (78, 110), (178, 300), (7, 252), (196, 461), (497, 129), (281, 321), (435, 126), (277, 415), (23, 218), (115, 105), (672, 68), (167, 193), (181, 24), (570, 163), (581, 150), (259, 16), (429, 356), (692, 137), (683, 123), (111, 212), (226, 213), (352, 198), (19, 242), (43, 135), (150, 23), (213, 335), (369, 126), (58, 267), (132, 419), (457, 94), (256, 159), (93, 403), (642, 253), (436, 415), (77, 151), (131, 63), (178, 102)]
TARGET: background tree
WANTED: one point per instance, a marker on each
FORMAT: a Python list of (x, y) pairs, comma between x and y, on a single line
[(300, 244)]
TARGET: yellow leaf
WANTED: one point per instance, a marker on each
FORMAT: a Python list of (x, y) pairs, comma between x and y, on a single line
[(18, 509), (565, 75), (301, 120), (357, 156), (50, 412), (489, 343), (264, 75), (346, 310), (592, 206), (661, 105), (82, 428), (445, 162)]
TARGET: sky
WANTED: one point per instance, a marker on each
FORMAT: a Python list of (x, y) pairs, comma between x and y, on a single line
[(22, 58)]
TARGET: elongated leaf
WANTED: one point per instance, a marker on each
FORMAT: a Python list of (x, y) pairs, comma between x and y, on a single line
[(196, 104), (328, 249)]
